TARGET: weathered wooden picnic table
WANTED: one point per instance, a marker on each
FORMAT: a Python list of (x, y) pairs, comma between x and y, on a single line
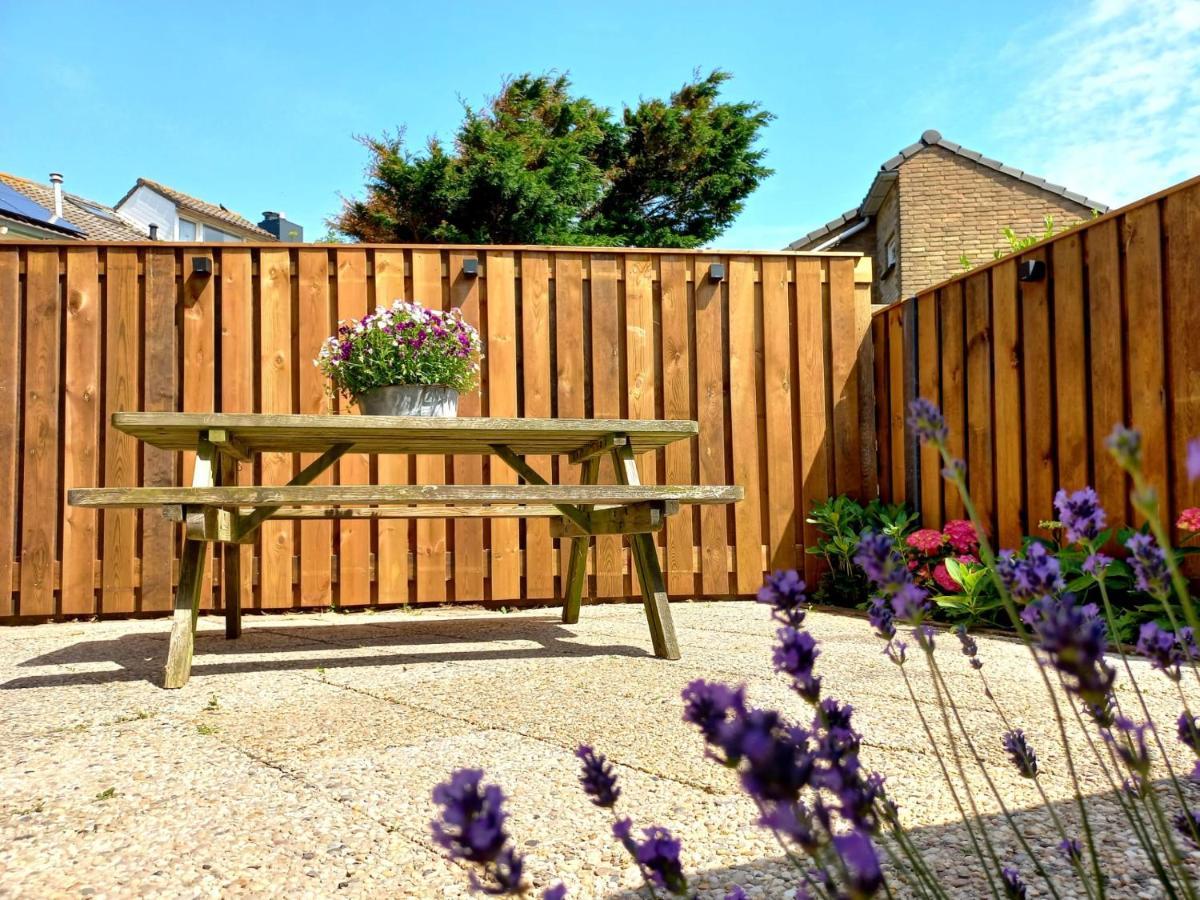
[(216, 509)]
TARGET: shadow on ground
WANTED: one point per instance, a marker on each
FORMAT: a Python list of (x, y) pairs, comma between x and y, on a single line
[(270, 648)]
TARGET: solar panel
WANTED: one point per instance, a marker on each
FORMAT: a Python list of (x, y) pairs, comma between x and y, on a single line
[(15, 203)]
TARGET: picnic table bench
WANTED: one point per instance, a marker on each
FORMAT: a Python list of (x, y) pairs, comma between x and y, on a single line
[(216, 509)]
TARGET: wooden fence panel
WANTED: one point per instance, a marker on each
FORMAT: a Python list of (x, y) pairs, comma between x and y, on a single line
[(980, 452), (1100, 336), (772, 358)]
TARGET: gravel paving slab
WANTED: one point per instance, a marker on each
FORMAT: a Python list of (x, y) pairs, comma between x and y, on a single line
[(300, 759)]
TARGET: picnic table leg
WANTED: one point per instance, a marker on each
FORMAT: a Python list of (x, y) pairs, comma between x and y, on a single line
[(576, 575), (231, 560), (649, 572), (191, 574)]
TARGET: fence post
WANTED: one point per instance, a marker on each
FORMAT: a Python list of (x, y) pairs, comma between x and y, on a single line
[(912, 446)]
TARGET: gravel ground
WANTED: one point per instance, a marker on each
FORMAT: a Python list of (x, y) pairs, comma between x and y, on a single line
[(299, 760)]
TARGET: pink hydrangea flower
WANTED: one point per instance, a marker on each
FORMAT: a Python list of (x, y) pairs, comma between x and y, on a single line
[(942, 576), (927, 540), (1189, 519), (961, 535)]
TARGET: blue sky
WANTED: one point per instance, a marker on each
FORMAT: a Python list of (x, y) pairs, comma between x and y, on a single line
[(257, 108)]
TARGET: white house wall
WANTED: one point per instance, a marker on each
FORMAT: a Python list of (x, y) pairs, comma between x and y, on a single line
[(145, 207)]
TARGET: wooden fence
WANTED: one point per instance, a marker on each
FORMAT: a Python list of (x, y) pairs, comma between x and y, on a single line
[(1032, 375), (774, 361)]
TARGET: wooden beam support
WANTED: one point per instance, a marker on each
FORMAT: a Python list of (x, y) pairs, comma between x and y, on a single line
[(247, 525), (637, 518), (532, 476), (228, 444), (606, 444)]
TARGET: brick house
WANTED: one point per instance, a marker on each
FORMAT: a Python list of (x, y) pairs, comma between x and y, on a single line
[(935, 201)]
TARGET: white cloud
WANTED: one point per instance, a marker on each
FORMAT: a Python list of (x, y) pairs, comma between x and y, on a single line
[(1114, 111)]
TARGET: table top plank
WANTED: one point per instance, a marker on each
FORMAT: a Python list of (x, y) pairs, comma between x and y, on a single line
[(397, 434), (402, 495)]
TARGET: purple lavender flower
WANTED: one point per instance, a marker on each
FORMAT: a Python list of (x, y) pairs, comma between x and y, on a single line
[(954, 470), (910, 603), (879, 614), (779, 757), (1075, 638), (796, 654), (657, 855), (598, 779), (1021, 753), (784, 591), (558, 892), (969, 648), (896, 651), (471, 828), (736, 893), (1193, 459), (1130, 745), (713, 708), (1188, 825), (1037, 575), (1071, 850), (1189, 731), (1164, 649), (795, 821), (881, 562), (1081, 514), (923, 635), (927, 421), (1014, 887), (1096, 564), (1149, 565), (861, 863), (1125, 444)]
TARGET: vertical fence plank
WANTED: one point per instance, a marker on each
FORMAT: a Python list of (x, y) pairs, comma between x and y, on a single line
[(1070, 363), (160, 360), (1006, 362), (1146, 346), (1039, 406), (81, 428), (950, 300), (314, 326), (569, 380), (979, 397), (275, 366), (1107, 363), (199, 368), (10, 422), (122, 353), (470, 564), (354, 538), (1181, 224), (777, 369), (431, 533), (897, 343), (710, 391), (606, 404), (393, 536), (39, 482), (813, 390), (238, 364), (883, 412), (846, 334), (502, 401), (929, 386), (678, 403), (536, 389), (743, 405)]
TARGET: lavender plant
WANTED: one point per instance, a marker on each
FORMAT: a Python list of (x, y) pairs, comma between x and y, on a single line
[(832, 816), (401, 344)]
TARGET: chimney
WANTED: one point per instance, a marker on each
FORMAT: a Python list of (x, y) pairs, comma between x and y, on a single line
[(278, 224), (57, 180), (154, 232)]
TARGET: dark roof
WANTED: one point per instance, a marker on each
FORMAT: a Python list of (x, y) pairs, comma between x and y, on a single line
[(97, 221), (211, 210), (933, 138)]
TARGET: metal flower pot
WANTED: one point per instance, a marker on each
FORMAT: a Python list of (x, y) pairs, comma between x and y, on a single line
[(409, 400)]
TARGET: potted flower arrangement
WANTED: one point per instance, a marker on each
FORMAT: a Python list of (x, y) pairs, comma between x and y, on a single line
[(403, 360)]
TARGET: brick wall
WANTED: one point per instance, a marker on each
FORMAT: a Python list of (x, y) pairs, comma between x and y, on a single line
[(886, 288), (950, 205)]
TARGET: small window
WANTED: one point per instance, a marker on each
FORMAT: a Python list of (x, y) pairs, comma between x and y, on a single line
[(216, 234), (891, 254), (187, 230)]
